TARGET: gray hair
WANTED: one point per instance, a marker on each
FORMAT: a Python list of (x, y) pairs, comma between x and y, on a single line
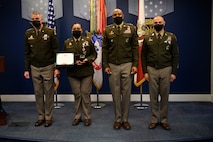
[(36, 13)]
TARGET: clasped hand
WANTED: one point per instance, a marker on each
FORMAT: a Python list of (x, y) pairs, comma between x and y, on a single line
[(79, 62)]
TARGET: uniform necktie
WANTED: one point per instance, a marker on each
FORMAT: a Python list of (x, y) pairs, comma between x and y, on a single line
[(119, 29), (77, 42), (159, 37)]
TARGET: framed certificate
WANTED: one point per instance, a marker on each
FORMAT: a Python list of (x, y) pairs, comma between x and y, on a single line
[(64, 58)]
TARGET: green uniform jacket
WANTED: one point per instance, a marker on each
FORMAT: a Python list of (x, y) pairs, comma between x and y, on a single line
[(86, 47), (160, 55), (40, 47), (120, 47)]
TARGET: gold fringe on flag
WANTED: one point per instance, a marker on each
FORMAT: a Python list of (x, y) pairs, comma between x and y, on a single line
[(93, 23)]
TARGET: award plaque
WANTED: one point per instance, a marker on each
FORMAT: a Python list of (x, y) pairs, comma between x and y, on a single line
[(80, 57), (64, 59)]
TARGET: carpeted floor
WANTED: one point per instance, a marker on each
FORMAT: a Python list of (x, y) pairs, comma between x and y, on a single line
[(189, 121)]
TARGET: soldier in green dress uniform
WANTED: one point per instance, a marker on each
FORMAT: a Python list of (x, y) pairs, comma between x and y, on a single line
[(160, 64), (41, 46), (80, 75), (120, 58)]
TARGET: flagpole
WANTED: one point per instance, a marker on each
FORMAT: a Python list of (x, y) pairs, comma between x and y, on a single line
[(141, 105), (141, 34), (98, 10), (98, 105), (57, 105)]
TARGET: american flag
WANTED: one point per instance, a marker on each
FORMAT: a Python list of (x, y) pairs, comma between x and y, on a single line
[(51, 15)]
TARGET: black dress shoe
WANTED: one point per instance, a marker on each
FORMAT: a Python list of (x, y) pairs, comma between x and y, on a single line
[(48, 123), (76, 122), (39, 123), (117, 125), (165, 126), (126, 125), (87, 122), (152, 125)]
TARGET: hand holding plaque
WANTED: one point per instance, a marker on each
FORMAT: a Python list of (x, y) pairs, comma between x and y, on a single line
[(80, 59)]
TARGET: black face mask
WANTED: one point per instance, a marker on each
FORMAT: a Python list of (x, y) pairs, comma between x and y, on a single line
[(158, 27), (76, 34), (118, 20), (36, 23)]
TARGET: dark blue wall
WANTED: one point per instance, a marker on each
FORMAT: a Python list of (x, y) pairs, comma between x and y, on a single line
[(190, 21)]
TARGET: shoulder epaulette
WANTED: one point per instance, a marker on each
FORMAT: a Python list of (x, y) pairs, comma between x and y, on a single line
[(130, 24), (69, 39), (47, 28), (111, 25), (29, 29), (170, 33)]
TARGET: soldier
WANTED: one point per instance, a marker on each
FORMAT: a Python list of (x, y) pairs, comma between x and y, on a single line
[(160, 63), (80, 75), (120, 58), (41, 46)]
